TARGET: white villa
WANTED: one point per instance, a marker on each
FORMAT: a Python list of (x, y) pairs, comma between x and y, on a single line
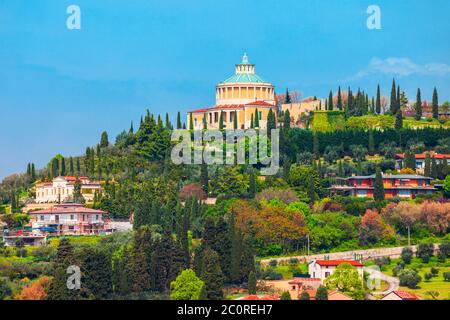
[(322, 269), (61, 189)]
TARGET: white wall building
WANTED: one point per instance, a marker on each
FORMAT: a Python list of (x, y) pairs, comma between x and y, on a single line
[(62, 188), (322, 269)]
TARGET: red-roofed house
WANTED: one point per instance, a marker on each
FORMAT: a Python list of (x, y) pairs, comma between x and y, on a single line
[(61, 189), (322, 269), (400, 295), (420, 159), (67, 219)]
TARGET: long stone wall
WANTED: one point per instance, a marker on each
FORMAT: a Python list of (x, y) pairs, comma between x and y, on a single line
[(367, 254)]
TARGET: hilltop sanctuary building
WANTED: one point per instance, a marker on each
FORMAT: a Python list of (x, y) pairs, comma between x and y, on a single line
[(241, 97)]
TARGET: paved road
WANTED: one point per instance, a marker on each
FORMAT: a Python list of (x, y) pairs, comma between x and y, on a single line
[(394, 283)]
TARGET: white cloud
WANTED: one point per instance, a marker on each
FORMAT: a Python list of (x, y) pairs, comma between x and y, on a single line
[(402, 67)]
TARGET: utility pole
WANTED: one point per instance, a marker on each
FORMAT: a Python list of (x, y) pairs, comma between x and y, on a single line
[(307, 237), (409, 236)]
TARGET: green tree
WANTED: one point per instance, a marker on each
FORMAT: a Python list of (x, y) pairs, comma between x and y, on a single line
[(187, 286), (330, 101), (285, 296), (252, 184), (204, 177), (179, 125), (378, 191), (221, 121), (407, 255), (393, 106), (418, 114), (371, 143), (409, 278), (339, 100), (252, 283), (304, 296), (399, 120), (212, 275), (322, 293), (346, 279), (378, 101), (97, 272), (191, 122), (427, 169), (435, 104), (287, 120), (257, 118), (287, 99), (425, 251), (104, 142)]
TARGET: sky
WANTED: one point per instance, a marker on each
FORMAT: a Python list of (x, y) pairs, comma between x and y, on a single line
[(60, 88)]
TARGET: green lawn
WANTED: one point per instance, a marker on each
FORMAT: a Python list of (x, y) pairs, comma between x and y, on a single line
[(435, 284)]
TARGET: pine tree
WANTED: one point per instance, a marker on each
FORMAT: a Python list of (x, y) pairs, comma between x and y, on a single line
[(330, 101), (435, 104), (178, 120), (418, 114), (378, 187), (339, 100), (378, 102), (393, 98)]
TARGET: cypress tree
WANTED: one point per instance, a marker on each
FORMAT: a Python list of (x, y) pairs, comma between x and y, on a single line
[(330, 101), (316, 146), (435, 104), (256, 118), (340, 169), (371, 143), (97, 271), (63, 167), (78, 167), (252, 124), (71, 168), (178, 120), (33, 173), (252, 283), (418, 114), (204, 177), (104, 140), (378, 102), (393, 98), (252, 184), (287, 99), (399, 120), (339, 99), (212, 275), (235, 120), (191, 122), (378, 187), (427, 169), (221, 121), (168, 124), (434, 168), (287, 120)]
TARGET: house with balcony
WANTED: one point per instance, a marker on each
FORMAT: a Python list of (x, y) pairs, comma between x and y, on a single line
[(67, 219), (395, 186), (322, 269)]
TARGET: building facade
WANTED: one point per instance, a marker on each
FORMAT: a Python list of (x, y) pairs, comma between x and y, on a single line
[(61, 189), (420, 160), (67, 219), (401, 186), (296, 110), (241, 97), (322, 269)]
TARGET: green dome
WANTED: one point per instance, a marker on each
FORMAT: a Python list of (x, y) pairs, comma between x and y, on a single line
[(244, 78)]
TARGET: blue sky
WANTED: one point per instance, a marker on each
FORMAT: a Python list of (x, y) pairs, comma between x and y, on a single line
[(60, 88)]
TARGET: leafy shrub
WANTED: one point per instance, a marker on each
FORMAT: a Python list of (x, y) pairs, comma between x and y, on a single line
[(407, 255), (434, 271), (446, 276), (271, 274), (425, 251), (273, 263), (428, 276)]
